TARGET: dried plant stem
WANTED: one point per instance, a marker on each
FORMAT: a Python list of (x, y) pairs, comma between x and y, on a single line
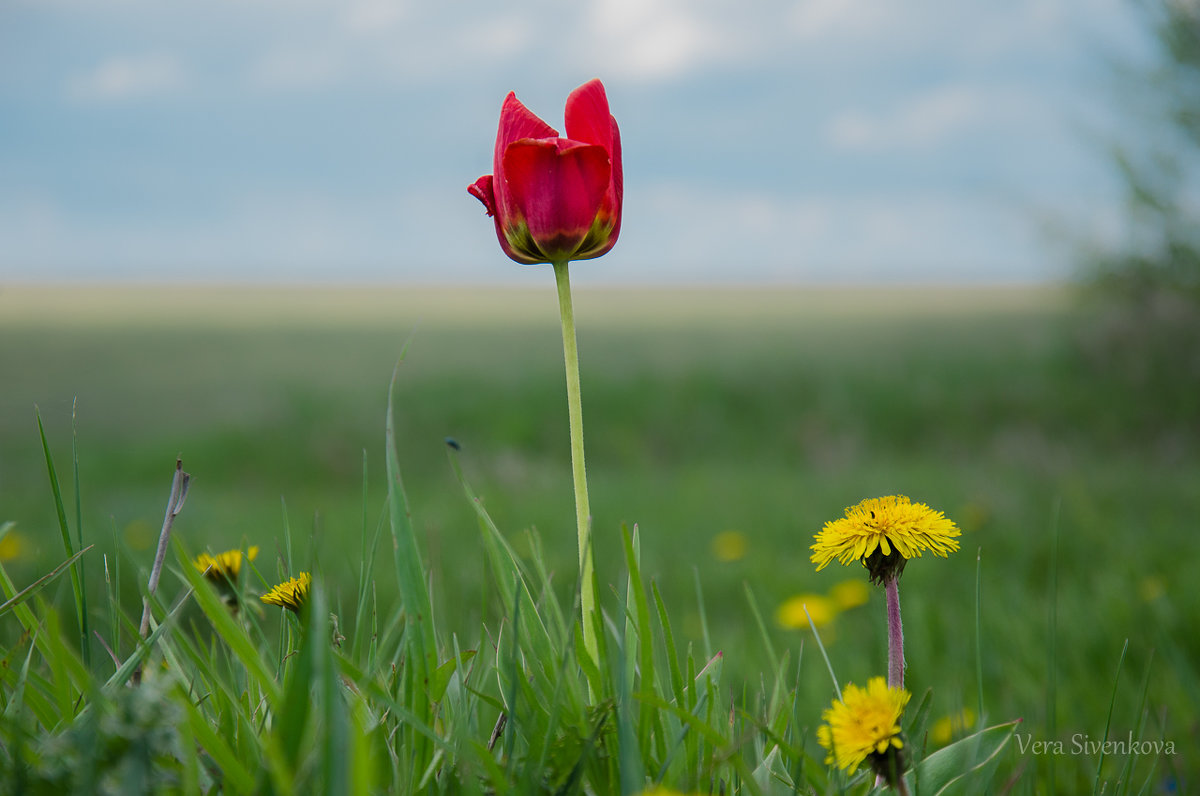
[(179, 489), (575, 412), (895, 634)]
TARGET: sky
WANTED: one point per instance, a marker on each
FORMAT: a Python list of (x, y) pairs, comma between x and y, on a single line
[(765, 142)]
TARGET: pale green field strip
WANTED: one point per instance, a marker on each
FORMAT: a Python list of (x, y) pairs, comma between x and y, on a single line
[(248, 307)]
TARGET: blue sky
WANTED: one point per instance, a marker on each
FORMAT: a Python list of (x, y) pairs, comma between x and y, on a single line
[(765, 141)]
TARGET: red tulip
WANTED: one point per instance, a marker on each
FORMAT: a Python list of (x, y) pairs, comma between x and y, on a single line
[(556, 199)]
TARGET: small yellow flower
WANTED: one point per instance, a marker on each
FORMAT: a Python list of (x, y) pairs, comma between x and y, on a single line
[(947, 727), (12, 546), (729, 546), (883, 533), (291, 594), (790, 613), (865, 724), (850, 594), (1151, 588), (224, 567)]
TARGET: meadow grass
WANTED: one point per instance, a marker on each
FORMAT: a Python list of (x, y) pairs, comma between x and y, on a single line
[(753, 411)]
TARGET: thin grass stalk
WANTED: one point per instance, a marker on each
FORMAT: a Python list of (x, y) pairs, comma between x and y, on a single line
[(86, 640), (979, 635), (1108, 722), (1126, 777), (1052, 650), (81, 612)]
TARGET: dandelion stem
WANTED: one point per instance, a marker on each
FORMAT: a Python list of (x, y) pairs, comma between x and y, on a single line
[(578, 469), (895, 634)]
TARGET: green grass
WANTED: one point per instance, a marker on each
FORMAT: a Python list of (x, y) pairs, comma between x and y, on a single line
[(765, 412)]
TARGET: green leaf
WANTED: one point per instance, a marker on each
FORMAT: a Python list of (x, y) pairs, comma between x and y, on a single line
[(440, 680), (961, 766)]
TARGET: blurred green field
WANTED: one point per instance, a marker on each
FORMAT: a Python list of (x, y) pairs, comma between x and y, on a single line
[(764, 412)]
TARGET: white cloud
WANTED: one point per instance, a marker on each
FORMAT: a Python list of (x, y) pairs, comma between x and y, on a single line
[(652, 39), (703, 233), (927, 119), (373, 16), (127, 77), (297, 68), (497, 38), (821, 19)]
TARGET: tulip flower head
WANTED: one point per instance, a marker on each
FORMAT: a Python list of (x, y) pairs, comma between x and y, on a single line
[(555, 199)]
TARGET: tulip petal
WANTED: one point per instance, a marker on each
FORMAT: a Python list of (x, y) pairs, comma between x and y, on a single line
[(517, 122), (557, 187), (482, 190), (589, 120)]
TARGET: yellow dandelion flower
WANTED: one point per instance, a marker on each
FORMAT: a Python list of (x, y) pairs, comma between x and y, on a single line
[(883, 533), (224, 567), (1151, 588), (12, 546), (291, 594), (729, 546), (865, 724), (790, 613), (850, 594), (947, 727)]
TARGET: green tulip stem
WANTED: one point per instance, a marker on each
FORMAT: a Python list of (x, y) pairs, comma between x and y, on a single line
[(579, 471)]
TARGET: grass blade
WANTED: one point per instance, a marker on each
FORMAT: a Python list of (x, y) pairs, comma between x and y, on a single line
[(86, 648), (1108, 722), (76, 573), (410, 572), (33, 588)]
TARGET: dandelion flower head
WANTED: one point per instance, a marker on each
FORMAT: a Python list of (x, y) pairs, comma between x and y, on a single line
[(291, 594), (794, 612), (224, 566), (945, 728), (865, 723), (883, 533), (729, 546)]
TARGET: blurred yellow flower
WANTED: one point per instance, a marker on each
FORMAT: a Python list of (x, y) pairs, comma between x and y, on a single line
[(12, 545), (882, 534), (945, 728), (791, 614), (291, 594), (865, 723), (729, 546), (850, 594), (1149, 589), (139, 535), (224, 567)]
